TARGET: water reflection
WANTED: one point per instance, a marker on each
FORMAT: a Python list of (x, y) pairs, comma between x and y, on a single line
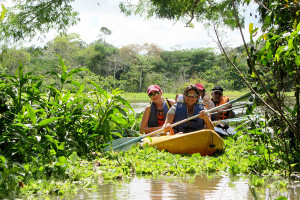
[(139, 107), (197, 187)]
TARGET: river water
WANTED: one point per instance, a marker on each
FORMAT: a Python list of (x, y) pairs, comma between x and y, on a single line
[(212, 187)]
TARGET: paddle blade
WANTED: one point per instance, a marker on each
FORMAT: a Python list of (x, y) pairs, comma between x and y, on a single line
[(119, 141)]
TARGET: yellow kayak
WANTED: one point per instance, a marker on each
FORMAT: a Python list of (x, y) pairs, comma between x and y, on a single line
[(205, 142)]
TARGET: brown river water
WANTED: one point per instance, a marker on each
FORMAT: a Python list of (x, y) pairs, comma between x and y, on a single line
[(197, 187)]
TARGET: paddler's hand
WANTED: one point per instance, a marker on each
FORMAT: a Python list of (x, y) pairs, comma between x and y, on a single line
[(167, 127), (203, 115)]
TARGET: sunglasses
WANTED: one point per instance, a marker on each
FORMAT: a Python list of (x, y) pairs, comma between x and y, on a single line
[(153, 94), (217, 93), (191, 95)]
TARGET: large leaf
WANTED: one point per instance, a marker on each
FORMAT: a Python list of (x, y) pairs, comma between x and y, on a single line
[(99, 88), (31, 113), (62, 64), (20, 70), (62, 161), (47, 121), (124, 102), (3, 12), (74, 157), (53, 73), (66, 97), (79, 91), (75, 71)]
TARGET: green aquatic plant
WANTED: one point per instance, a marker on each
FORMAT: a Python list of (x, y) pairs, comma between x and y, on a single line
[(42, 125)]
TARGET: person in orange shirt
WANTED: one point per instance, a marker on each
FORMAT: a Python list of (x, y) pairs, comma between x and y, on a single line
[(155, 113), (219, 99)]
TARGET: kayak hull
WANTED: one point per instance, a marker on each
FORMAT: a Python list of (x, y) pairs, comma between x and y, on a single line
[(205, 142)]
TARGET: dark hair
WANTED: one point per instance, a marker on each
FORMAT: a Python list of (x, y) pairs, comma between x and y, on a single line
[(191, 87)]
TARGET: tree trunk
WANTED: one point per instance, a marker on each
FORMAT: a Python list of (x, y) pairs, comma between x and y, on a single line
[(141, 78)]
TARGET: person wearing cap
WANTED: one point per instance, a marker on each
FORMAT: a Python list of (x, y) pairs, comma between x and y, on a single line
[(155, 113), (218, 99), (188, 108), (204, 97)]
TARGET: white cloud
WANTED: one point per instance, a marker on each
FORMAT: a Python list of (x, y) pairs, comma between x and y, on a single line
[(137, 30)]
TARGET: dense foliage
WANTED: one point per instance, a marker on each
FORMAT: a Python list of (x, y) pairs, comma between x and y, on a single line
[(131, 68), (52, 117), (28, 18), (44, 121)]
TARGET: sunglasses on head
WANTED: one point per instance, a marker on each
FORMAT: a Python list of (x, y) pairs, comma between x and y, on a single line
[(153, 94), (191, 95)]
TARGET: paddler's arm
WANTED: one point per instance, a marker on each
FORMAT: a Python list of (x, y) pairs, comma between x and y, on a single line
[(206, 119), (144, 124)]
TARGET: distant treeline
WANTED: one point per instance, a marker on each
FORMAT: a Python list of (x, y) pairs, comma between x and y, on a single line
[(131, 68)]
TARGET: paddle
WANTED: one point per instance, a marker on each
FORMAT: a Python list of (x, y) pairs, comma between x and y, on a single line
[(233, 108), (182, 121)]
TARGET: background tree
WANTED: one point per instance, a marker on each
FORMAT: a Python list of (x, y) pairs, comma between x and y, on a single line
[(11, 59), (27, 18)]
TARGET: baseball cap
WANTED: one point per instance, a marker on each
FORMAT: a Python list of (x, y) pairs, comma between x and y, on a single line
[(151, 88), (217, 88), (199, 86)]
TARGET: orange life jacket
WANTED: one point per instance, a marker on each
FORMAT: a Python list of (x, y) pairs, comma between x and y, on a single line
[(224, 100)]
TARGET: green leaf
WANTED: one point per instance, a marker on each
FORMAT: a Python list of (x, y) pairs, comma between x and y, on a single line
[(3, 12), (79, 91), (2, 159), (281, 198), (99, 89), (290, 43), (119, 119), (76, 83), (20, 70), (21, 125), (250, 28), (268, 44), (47, 121), (297, 60), (31, 113), (74, 157), (117, 134), (62, 161), (62, 64), (270, 55), (66, 97), (53, 73), (63, 78), (75, 71), (124, 102), (61, 146)]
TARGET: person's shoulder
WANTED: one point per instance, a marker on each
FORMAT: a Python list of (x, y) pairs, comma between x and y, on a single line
[(226, 98), (148, 107)]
